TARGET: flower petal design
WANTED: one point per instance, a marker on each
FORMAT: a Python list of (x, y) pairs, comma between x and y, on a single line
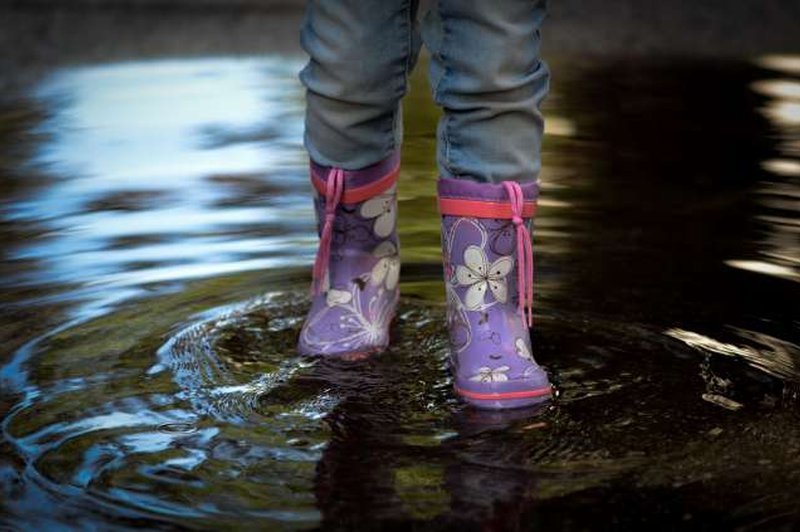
[(393, 275), (388, 267), (500, 268), (338, 297), (379, 271), (384, 249), (384, 224), (487, 374), (499, 289), (499, 374), (475, 260), (374, 206), (521, 348), (465, 276), (483, 375), (475, 295)]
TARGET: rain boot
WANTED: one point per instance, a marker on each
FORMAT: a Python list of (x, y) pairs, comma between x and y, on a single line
[(488, 263), (355, 285)]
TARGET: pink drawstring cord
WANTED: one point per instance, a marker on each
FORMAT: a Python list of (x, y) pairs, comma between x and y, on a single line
[(334, 187), (524, 252)]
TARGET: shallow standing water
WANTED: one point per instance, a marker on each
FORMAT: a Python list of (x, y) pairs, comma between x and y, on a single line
[(157, 238)]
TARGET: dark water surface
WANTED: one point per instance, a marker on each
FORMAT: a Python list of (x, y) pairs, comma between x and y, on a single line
[(157, 237)]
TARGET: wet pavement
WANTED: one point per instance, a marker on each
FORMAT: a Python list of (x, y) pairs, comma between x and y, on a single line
[(157, 237)]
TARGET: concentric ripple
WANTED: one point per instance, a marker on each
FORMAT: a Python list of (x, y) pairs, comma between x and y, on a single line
[(235, 425)]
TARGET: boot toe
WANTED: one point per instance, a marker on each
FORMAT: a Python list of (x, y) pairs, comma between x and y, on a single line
[(530, 389)]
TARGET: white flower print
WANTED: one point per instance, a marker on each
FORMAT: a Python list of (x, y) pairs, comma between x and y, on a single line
[(387, 270), (479, 275), (522, 349), (359, 325), (487, 374), (382, 207), (334, 296), (337, 297)]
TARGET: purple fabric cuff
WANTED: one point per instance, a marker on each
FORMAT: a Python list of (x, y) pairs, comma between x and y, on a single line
[(362, 176), (466, 189)]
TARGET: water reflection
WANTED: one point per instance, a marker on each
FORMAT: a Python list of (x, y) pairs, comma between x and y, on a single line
[(779, 194), (767, 354), (146, 163), (148, 383)]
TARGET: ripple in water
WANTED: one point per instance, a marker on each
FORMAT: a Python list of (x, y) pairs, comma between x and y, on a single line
[(235, 426)]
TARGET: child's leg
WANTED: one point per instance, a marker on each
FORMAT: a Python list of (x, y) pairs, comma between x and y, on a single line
[(361, 52), (486, 74)]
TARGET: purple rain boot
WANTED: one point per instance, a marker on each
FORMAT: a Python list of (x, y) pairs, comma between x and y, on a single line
[(488, 264), (355, 289)]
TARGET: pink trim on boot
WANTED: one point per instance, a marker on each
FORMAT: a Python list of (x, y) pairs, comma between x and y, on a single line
[(359, 193), (333, 196), (524, 251), (483, 208)]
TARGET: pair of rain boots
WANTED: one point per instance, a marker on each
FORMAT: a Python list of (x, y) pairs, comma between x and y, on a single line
[(488, 269)]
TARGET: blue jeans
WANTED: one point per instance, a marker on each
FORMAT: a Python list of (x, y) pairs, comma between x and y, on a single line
[(485, 72)]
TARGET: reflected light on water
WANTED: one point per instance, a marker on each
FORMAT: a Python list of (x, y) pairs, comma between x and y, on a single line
[(764, 267), (783, 107), (782, 167), (784, 112), (553, 203), (788, 64), (166, 170), (779, 88), (774, 356), (778, 194), (189, 271), (151, 120), (559, 126)]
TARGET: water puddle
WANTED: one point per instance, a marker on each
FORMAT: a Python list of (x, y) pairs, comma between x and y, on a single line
[(158, 233)]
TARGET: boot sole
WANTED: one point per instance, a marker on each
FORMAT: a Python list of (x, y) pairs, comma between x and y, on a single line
[(501, 400), (350, 356)]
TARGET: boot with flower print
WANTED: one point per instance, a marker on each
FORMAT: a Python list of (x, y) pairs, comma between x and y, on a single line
[(355, 288), (488, 263)]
